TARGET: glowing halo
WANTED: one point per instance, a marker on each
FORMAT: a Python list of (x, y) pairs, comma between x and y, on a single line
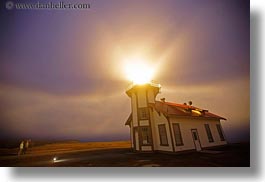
[(138, 71)]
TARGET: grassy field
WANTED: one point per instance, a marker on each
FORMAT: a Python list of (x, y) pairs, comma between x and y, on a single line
[(44, 148), (119, 154)]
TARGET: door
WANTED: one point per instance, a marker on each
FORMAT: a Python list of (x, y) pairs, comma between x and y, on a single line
[(196, 139)]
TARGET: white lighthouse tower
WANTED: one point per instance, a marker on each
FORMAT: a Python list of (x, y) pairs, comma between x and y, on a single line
[(140, 120)]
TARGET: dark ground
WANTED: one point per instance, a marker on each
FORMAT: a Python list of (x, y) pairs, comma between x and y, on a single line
[(235, 155)]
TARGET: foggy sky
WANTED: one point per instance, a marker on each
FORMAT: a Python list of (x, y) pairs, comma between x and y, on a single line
[(61, 74)]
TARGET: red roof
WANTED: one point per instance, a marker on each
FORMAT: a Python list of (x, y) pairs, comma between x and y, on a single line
[(174, 109)]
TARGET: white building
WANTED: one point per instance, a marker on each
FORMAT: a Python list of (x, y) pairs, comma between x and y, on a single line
[(164, 126)]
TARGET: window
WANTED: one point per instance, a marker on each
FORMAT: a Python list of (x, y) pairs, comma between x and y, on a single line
[(162, 134), (209, 133), (195, 136), (219, 129), (143, 113), (145, 135), (177, 133)]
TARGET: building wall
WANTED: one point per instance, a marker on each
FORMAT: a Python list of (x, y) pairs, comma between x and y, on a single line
[(146, 148), (185, 127), (131, 135), (139, 100), (134, 135), (134, 110), (142, 100), (151, 96), (156, 120), (144, 122), (137, 140)]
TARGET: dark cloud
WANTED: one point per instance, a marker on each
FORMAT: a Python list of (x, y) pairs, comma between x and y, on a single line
[(39, 115)]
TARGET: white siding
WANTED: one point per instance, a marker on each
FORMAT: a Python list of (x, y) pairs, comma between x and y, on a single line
[(160, 119), (144, 122), (137, 140), (146, 148), (134, 110), (131, 134), (185, 127), (150, 95), (142, 101)]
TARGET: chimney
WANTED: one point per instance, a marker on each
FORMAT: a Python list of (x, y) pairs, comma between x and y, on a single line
[(163, 99)]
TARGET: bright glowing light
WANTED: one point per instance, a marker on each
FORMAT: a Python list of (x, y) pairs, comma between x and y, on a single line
[(54, 159), (138, 71)]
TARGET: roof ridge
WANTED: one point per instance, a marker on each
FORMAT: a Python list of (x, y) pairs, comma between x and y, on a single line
[(188, 108)]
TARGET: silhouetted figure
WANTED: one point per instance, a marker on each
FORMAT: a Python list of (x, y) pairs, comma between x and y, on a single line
[(26, 146), (21, 148)]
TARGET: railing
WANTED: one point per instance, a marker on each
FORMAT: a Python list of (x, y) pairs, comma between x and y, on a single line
[(151, 83)]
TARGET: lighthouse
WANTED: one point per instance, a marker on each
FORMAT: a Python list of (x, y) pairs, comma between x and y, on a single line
[(168, 126), (160, 125), (142, 95)]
